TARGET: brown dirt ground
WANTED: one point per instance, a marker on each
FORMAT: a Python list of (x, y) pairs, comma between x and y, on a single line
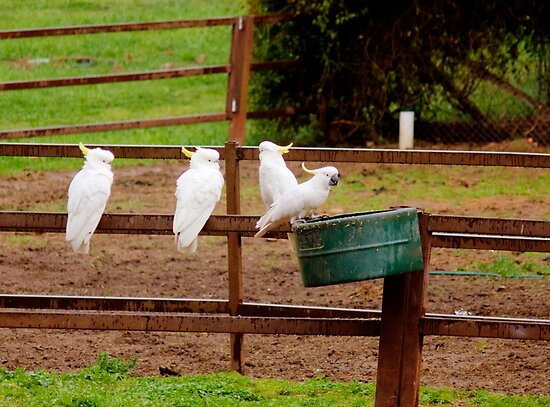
[(148, 266)]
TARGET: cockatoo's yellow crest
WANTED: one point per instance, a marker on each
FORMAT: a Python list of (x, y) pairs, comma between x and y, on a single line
[(308, 170), (187, 153), (285, 149), (85, 150)]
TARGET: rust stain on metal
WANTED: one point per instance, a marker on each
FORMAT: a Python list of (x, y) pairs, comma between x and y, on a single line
[(139, 76), (237, 86), (174, 322), (234, 251), (293, 311), (494, 226), (120, 27), (425, 157), (243, 153), (486, 327), (111, 126), (119, 223), (91, 303), (516, 244), (137, 26), (145, 123), (114, 78)]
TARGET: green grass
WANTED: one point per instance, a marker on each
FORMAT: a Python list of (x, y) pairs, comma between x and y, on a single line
[(44, 13), (530, 264), (109, 53), (24, 240), (109, 383)]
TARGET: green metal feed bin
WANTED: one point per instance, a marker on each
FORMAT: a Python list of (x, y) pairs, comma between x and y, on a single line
[(358, 246)]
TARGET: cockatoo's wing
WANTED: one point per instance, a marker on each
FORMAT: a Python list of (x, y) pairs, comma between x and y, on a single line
[(88, 196), (289, 205), (300, 200), (275, 181), (197, 193)]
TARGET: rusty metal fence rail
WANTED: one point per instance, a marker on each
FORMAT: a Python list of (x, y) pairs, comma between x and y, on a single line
[(401, 324), (355, 155), (142, 26)]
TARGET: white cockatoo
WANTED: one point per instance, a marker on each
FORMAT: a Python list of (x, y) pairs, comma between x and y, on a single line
[(197, 192), (275, 177), (299, 201), (88, 195)]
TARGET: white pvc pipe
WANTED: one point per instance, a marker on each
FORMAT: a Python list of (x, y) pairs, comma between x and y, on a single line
[(406, 130)]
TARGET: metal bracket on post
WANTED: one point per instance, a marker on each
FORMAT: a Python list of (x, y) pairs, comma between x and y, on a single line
[(400, 350), (234, 250), (237, 87)]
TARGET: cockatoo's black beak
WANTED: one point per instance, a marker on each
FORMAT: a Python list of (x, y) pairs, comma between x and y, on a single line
[(333, 180)]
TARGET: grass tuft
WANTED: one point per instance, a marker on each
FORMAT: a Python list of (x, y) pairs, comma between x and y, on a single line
[(506, 266)]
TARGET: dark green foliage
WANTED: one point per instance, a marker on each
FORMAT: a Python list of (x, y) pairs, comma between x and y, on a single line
[(366, 61)]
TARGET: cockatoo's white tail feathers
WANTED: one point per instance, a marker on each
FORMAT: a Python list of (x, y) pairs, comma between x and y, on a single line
[(266, 218), (84, 248), (80, 229), (193, 246), (187, 247), (262, 232), (270, 226), (272, 218), (186, 239)]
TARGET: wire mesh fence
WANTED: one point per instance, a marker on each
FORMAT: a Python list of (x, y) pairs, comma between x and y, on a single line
[(535, 130), (491, 106)]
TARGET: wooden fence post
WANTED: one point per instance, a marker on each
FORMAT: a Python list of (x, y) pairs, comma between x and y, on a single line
[(234, 250), (237, 87), (400, 349)]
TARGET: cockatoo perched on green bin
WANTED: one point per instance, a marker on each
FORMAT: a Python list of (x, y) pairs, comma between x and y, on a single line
[(88, 195), (299, 201), (275, 177), (198, 190)]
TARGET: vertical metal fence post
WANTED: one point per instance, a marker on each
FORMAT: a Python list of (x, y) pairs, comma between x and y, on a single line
[(237, 87), (234, 249), (400, 350)]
